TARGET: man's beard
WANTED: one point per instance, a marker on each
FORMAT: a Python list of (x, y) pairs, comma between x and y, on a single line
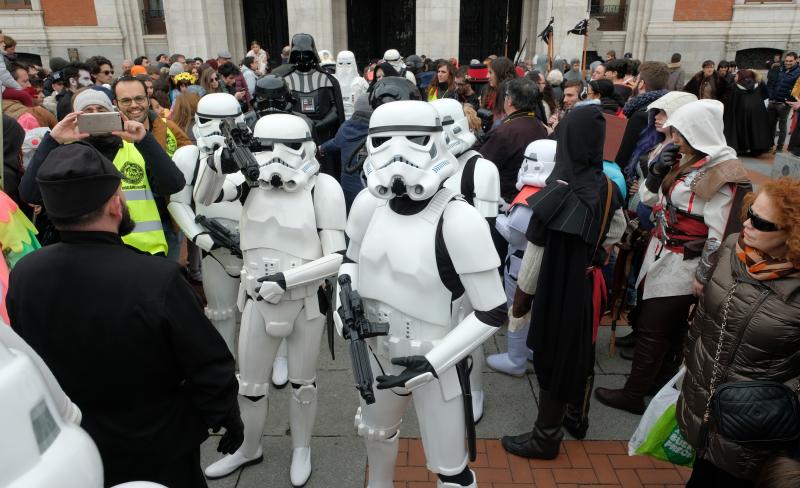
[(126, 225)]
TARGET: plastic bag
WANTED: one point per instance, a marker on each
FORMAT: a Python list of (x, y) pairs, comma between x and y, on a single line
[(658, 434)]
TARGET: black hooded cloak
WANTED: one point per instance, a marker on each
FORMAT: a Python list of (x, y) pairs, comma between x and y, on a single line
[(567, 222), (747, 127)]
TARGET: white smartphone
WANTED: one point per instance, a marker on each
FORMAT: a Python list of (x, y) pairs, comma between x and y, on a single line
[(100, 123)]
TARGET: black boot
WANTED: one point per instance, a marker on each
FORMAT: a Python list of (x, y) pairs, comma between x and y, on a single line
[(576, 420), (544, 441), (626, 341)]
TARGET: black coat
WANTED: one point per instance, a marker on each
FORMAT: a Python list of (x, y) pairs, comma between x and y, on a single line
[(505, 147), (747, 127), (127, 339)]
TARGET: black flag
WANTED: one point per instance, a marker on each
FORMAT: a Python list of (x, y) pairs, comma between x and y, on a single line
[(545, 34), (580, 29)]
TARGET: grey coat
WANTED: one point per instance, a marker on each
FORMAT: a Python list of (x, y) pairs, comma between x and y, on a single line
[(769, 313)]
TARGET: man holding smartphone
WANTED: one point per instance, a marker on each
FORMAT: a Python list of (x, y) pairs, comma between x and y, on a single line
[(133, 103), (146, 168)]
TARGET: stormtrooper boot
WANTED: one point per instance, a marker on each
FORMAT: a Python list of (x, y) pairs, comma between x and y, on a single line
[(451, 484), (280, 367), (476, 383), (302, 413), (382, 456), (254, 415), (515, 361)]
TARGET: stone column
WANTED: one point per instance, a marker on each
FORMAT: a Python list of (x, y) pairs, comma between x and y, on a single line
[(196, 27), (437, 28), (313, 17)]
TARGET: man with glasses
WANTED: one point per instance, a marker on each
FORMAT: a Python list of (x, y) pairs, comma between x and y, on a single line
[(134, 104), (464, 90), (135, 153)]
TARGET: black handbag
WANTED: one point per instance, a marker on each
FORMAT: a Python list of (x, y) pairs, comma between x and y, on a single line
[(754, 412)]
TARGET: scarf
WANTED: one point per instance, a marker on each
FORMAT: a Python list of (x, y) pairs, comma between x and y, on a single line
[(762, 267), (642, 101)]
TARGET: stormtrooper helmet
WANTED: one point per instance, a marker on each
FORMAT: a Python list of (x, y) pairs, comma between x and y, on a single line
[(346, 68), (407, 152), (286, 158), (537, 164), (212, 110), (456, 127)]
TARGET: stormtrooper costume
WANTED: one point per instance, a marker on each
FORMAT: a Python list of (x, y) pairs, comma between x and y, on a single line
[(292, 237), (416, 251), (220, 267), (351, 82), (478, 180), (536, 167), (317, 92), (392, 56)]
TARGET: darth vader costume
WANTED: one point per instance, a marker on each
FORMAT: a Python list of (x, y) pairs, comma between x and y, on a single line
[(316, 91)]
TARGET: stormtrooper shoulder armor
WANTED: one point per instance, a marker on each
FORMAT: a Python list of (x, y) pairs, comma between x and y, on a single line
[(487, 187), (329, 205), (357, 222), (468, 240), (185, 158)]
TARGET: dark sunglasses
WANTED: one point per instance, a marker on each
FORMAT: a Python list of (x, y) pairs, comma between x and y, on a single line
[(760, 224), (107, 73)]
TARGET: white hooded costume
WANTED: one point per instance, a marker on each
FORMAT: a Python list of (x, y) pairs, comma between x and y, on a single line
[(351, 82)]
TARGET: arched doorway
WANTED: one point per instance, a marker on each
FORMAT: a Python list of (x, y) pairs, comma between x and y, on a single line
[(483, 27), (267, 22), (375, 26), (756, 58)]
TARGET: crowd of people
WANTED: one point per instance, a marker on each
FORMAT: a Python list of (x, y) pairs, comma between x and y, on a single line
[(289, 160)]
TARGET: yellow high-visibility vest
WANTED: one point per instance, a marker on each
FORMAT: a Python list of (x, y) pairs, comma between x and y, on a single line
[(148, 235)]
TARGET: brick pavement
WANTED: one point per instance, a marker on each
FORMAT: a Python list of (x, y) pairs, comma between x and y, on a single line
[(598, 464)]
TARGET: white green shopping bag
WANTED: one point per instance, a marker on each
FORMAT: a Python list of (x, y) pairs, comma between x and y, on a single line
[(658, 434)]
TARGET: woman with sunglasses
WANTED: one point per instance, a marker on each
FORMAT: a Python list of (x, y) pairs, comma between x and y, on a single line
[(751, 307), (695, 187)]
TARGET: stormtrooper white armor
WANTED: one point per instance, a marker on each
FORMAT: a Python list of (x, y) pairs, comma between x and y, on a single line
[(478, 180), (392, 56), (537, 164), (352, 84), (42, 445), (292, 237), (417, 251), (220, 267)]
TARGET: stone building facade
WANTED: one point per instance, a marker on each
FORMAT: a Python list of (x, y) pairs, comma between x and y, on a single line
[(649, 29)]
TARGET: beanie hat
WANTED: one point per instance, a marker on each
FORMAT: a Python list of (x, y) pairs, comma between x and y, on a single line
[(57, 64), (175, 69), (138, 70), (91, 97), (75, 179)]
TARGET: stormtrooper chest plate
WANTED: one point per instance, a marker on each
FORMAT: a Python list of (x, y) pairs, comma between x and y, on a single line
[(281, 221), (398, 276)]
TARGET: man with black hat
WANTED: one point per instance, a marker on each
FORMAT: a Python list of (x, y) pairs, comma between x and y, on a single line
[(123, 333)]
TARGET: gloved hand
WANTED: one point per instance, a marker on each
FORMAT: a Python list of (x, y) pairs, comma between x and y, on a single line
[(272, 287), (227, 163), (234, 433), (668, 158), (418, 372)]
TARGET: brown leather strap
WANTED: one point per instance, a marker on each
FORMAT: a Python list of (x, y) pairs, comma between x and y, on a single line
[(605, 215)]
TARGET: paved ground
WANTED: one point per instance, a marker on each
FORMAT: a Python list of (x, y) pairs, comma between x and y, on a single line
[(339, 459)]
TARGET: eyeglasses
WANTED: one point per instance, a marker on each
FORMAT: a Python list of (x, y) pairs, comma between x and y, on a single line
[(108, 73), (125, 102), (759, 223)]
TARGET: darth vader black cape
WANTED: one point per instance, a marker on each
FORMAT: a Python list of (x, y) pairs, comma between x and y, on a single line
[(566, 222)]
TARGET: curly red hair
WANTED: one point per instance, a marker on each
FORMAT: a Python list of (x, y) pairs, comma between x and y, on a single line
[(785, 195)]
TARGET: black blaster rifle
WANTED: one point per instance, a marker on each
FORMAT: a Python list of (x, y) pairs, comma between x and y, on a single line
[(220, 234), (238, 140), (355, 329)]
